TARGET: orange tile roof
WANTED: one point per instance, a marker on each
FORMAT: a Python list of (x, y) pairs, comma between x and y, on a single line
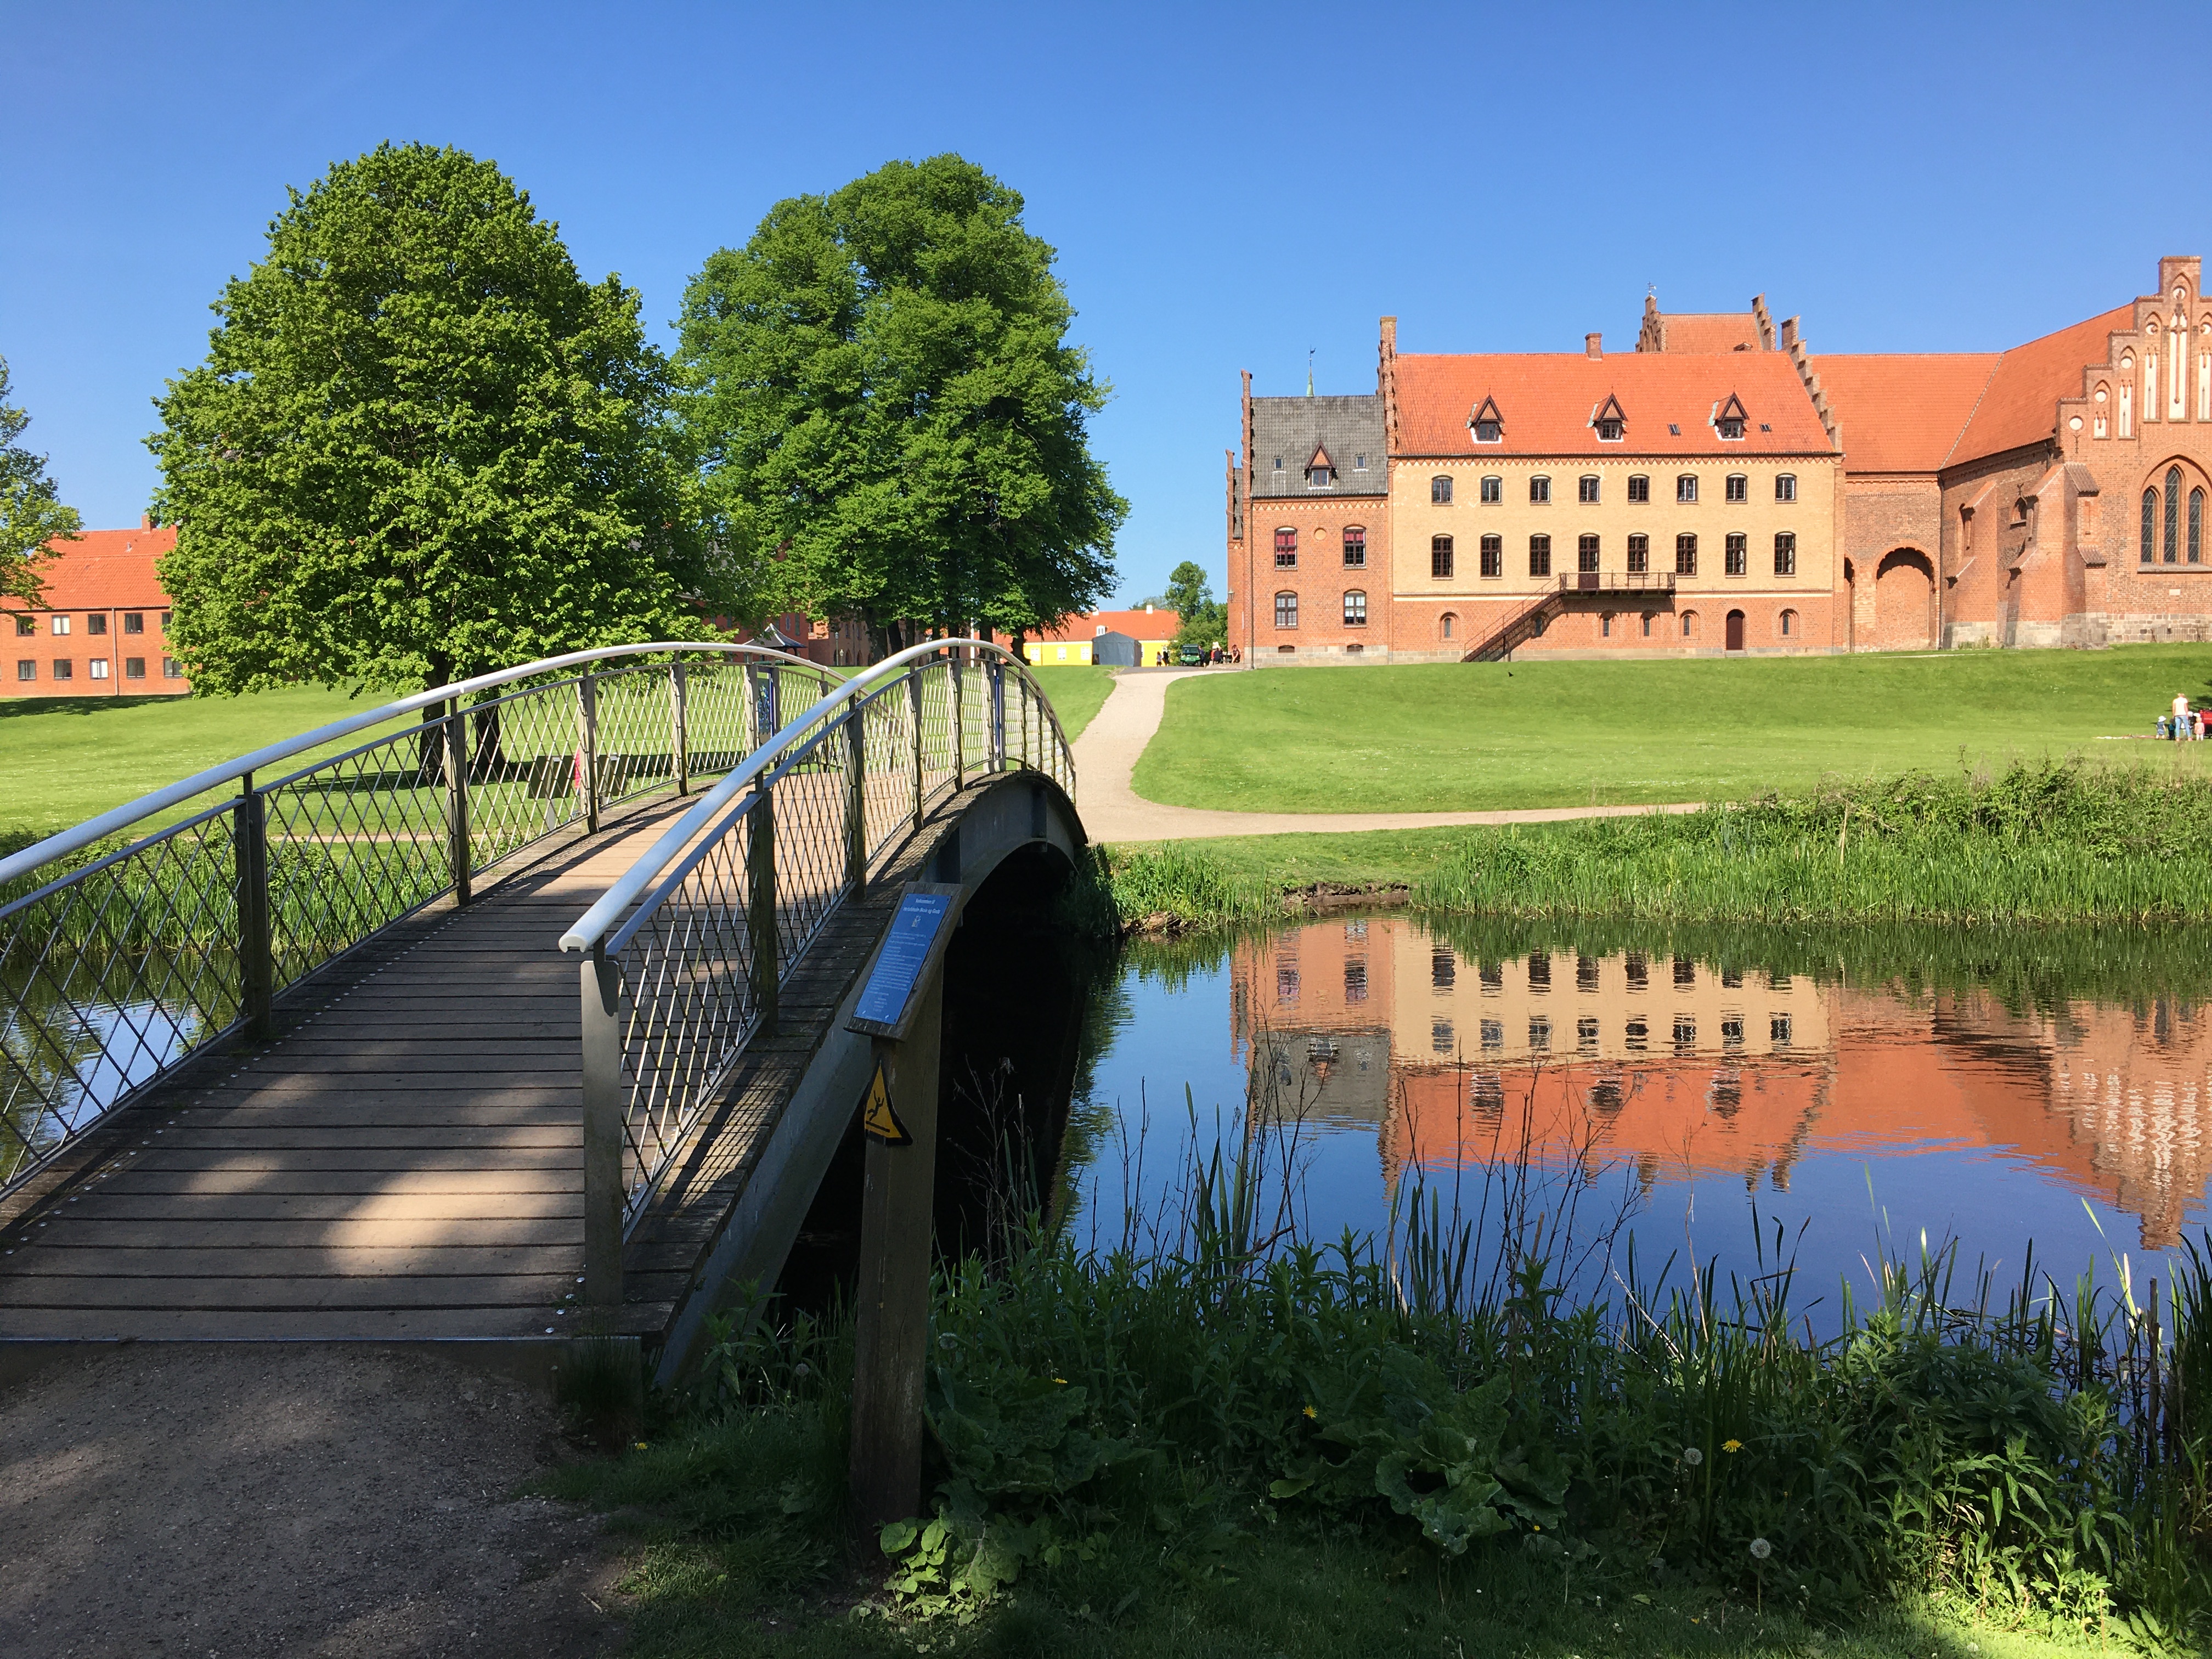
[(2021, 404), (1899, 412), (1137, 625), (1547, 400), (1708, 331), (106, 569)]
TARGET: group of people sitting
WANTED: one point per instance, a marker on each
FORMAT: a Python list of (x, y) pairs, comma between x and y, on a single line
[(2185, 724)]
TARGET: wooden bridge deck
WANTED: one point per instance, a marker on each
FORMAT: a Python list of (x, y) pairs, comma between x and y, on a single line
[(405, 1160)]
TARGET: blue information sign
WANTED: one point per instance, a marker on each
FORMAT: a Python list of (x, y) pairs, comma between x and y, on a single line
[(906, 951)]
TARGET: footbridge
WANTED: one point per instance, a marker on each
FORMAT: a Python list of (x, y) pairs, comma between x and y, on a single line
[(495, 1015)]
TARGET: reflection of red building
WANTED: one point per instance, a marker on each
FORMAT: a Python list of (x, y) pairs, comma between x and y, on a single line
[(1679, 1068)]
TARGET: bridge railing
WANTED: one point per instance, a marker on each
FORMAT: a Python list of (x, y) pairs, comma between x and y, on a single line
[(687, 953), (132, 942)]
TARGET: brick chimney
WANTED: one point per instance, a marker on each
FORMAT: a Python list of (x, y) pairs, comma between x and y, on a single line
[(1593, 345)]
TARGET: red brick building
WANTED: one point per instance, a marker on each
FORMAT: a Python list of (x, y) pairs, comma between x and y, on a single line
[(1722, 490), (103, 629)]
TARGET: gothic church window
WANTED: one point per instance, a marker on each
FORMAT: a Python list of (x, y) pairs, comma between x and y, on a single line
[(2150, 526), (2171, 548), (2197, 527)]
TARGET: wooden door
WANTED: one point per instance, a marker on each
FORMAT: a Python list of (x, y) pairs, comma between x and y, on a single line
[(1735, 630)]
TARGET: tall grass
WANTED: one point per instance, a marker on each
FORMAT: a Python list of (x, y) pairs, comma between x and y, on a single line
[(2037, 844)]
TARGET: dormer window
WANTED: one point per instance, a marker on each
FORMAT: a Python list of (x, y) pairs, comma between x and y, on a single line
[(1729, 420), (1318, 477), (1488, 424), (1611, 422), (1320, 471)]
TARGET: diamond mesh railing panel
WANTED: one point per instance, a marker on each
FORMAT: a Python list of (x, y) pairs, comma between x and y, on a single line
[(708, 944), (117, 962)]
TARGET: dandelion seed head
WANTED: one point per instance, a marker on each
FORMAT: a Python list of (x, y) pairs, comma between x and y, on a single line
[(1760, 1549), (1693, 1457)]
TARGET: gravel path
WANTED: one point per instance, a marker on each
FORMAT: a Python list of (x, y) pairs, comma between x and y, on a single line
[(1106, 756), (246, 1499)]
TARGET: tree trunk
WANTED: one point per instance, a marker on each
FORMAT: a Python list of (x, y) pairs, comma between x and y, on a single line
[(430, 742)]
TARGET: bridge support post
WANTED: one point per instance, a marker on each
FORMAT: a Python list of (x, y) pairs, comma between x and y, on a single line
[(602, 1131), (892, 1340), (856, 802), (998, 673), (587, 750), (959, 722), (679, 736), (257, 968), (760, 908), (914, 706), (457, 799)]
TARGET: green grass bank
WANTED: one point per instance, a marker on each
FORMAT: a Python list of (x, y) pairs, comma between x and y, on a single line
[(1221, 1441), (1479, 735), (2051, 844)]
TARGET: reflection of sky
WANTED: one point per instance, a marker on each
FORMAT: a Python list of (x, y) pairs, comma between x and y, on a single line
[(1854, 1188)]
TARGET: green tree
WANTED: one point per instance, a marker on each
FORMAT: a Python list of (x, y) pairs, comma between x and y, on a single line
[(32, 516), (1190, 592), (422, 446), (888, 413)]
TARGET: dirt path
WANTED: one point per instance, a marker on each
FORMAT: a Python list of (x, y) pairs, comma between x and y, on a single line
[(259, 1499), (1106, 756)]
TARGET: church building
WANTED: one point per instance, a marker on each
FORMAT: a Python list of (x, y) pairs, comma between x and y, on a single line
[(1723, 488)]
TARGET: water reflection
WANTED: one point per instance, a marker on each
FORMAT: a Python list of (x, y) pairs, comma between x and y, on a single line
[(1991, 1090)]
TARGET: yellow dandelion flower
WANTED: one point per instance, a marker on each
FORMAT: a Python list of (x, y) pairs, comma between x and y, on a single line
[(1731, 1445), (1061, 1381), (1311, 1412)]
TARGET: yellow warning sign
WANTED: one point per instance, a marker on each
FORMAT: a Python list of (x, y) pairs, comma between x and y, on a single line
[(877, 1116)]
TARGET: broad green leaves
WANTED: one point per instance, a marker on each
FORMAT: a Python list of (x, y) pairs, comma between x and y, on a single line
[(888, 413), (31, 513), (422, 446)]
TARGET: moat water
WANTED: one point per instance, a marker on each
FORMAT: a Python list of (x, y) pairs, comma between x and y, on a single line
[(1687, 1092)]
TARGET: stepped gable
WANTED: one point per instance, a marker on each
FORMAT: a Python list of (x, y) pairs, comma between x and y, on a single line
[(2020, 406), (1903, 412), (1549, 402)]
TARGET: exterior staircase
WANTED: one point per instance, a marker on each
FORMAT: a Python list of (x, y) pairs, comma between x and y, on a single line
[(1532, 618)]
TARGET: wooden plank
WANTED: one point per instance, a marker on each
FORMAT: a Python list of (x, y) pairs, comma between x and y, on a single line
[(323, 1324), (542, 1291), (305, 1183), (171, 1160), (352, 1134), (564, 1232), (295, 1094), (255, 1205), (392, 1115), (316, 1261)]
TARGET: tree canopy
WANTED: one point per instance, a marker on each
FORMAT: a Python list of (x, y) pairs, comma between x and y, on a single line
[(422, 447), (891, 421), (32, 515), (1205, 618)]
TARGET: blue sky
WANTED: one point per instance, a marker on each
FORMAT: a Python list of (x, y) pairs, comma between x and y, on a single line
[(1228, 188)]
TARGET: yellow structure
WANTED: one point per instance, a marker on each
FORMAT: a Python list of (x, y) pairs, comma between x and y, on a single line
[(1074, 642)]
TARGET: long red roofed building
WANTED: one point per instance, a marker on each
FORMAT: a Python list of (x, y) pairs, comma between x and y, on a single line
[(103, 628)]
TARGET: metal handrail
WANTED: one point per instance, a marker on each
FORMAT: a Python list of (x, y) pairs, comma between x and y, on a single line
[(688, 950), (120, 967), (591, 927), (60, 845)]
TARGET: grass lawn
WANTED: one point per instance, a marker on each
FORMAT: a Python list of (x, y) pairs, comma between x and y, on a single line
[(66, 758), (1472, 736), (1076, 694)]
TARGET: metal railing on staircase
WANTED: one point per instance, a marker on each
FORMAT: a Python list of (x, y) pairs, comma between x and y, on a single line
[(687, 954), (131, 943)]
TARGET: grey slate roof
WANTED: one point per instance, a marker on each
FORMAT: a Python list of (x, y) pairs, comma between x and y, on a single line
[(1292, 428)]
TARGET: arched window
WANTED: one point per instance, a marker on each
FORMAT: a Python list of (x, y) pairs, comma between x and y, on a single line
[(1450, 624), (1539, 490), (1440, 557), (1739, 488), (1686, 488), (1639, 556), (2171, 546), (1540, 555), (1494, 489), (1493, 555), (1586, 487), (1586, 553), (1355, 608), (1639, 488), (2150, 526), (2197, 527), (1605, 625), (1785, 552), (1440, 490), (1689, 624), (1287, 548), (1647, 624), (1735, 554), (2102, 397), (1286, 610), (1355, 547), (1785, 486), (1686, 555), (1787, 624)]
